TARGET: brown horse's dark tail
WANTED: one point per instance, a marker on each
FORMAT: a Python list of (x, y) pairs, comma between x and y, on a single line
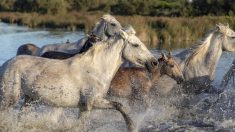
[(27, 49)]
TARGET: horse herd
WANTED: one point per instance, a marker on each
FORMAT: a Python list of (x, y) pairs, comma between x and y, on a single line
[(81, 74)]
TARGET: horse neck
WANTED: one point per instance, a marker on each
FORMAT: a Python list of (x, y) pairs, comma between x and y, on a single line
[(203, 61), (157, 73), (104, 59)]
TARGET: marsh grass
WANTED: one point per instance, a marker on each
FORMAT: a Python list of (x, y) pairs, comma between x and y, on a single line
[(155, 32)]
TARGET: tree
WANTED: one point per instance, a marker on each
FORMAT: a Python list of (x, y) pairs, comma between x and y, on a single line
[(26, 5), (53, 6), (7, 5)]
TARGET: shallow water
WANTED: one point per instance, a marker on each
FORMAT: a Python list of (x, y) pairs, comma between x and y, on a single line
[(174, 112), (12, 36)]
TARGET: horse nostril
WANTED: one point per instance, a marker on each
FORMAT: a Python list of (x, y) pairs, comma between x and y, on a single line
[(180, 80), (154, 63)]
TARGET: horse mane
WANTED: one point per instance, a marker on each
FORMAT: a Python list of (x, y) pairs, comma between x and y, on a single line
[(102, 46), (200, 47), (106, 17)]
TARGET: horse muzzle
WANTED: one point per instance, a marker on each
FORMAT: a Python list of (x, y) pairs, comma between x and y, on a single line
[(179, 80), (150, 65)]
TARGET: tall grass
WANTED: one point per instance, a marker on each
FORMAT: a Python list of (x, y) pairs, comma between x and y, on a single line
[(156, 32)]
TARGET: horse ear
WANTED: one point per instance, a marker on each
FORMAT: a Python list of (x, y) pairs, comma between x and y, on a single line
[(106, 17), (123, 34), (220, 26), (164, 56), (130, 30), (169, 54)]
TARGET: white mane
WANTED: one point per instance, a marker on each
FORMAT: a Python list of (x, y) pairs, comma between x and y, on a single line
[(200, 47)]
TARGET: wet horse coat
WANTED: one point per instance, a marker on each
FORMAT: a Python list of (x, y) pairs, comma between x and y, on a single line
[(137, 82), (81, 81), (199, 63)]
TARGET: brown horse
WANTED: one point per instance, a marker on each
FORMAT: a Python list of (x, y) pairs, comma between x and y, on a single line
[(137, 82), (27, 49)]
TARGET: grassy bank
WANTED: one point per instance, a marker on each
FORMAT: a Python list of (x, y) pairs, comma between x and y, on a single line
[(156, 32)]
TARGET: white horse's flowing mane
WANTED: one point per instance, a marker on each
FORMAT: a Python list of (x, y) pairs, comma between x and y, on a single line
[(202, 45)]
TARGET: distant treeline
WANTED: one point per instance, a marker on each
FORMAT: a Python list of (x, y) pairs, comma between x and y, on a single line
[(124, 7), (167, 24), (155, 32)]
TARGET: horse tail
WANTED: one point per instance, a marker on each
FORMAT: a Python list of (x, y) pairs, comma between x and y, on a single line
[(27, 49), (10, 86)]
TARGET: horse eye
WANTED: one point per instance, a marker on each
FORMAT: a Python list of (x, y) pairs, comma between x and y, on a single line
[(135, 45), (172, 66), (113, 24)]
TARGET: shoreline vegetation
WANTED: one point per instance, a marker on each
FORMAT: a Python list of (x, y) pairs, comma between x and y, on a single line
[(156, 32), (167, 24)]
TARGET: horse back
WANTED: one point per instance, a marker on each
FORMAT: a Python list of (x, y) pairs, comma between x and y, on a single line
[(27, 49), (129, 80)]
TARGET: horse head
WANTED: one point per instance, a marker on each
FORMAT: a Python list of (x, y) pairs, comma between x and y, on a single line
[(107, 27), (135, 51), (228, 35), (170, 67)]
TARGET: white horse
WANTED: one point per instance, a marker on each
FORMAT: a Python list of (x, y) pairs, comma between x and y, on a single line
[(198, 63), (106, 28), (81, 81)]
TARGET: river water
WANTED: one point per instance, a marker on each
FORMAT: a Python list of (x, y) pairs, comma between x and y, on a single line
[(12, 36), (172, 112)]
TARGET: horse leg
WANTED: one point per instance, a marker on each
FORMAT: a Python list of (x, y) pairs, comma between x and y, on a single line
[(85, 106), (105, 104)]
